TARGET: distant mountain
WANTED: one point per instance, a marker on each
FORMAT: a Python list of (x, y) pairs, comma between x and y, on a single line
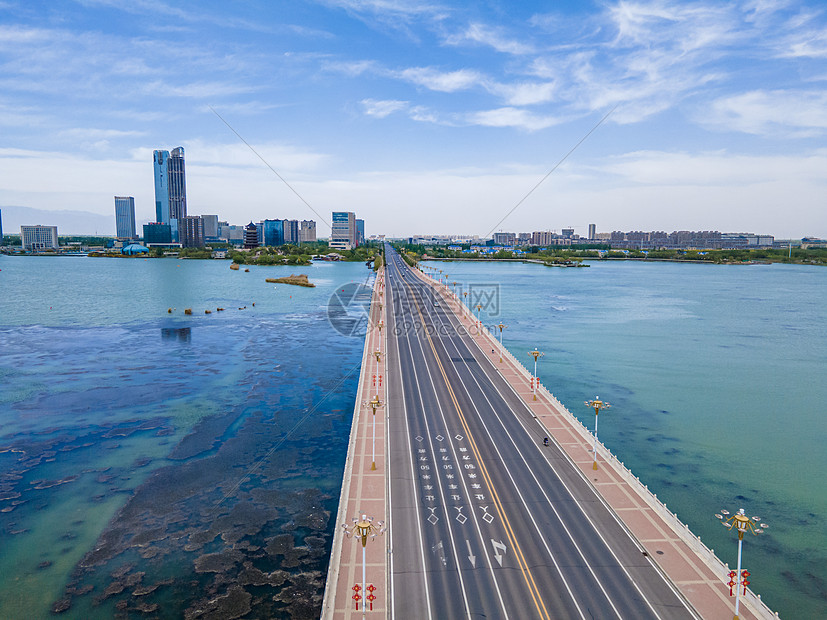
[(67, 222)]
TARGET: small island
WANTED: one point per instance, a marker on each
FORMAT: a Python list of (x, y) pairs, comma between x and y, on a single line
[(296, 280)]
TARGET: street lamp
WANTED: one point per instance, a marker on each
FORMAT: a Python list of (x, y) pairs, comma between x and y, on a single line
[(363, 529), (502, 327), (741, 523), (479, 307), (536, 354), (597, 405), (374, 403), (378, 355), (380, 326)]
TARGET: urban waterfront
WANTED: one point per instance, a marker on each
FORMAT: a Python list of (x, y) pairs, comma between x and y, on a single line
[(156, 461), (716, 379), (183, 423)]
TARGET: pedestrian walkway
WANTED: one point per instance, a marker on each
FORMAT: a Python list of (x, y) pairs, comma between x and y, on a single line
[(364, 487), (693, 568)]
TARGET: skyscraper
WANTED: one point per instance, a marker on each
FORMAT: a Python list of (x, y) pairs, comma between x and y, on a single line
[(291, 231), (170, 187), (360, 232), (343, 230), (125, 217), (210, 226), (592, 231)]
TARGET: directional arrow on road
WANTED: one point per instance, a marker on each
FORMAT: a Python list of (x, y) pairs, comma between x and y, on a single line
[(471, 555), (498, 546)]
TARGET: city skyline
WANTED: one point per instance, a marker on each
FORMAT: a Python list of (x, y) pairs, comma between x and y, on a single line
[(715, 113)]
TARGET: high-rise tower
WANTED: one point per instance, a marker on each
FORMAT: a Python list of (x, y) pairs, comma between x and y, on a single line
[(170, 187), (125, 217)]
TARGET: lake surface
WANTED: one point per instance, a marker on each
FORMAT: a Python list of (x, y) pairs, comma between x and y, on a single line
[(154, 461), (194, 462), (717, 376)]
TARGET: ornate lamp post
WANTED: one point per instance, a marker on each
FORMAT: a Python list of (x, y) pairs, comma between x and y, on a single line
[(465, 295), (479, 307), (363, 529), (374, 403), (537, 355), (742, 524), (378, 355), (502, 327), (597, 405), (380, 326)]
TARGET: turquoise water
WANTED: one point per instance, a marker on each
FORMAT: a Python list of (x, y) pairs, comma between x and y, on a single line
[(157, 462), (717, 376)]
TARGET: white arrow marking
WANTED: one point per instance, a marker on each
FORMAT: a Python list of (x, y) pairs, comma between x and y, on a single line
[(471, 555), (498, 546)]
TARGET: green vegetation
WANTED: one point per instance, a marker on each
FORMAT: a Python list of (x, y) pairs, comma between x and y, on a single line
[(572, 256), (377, 261)]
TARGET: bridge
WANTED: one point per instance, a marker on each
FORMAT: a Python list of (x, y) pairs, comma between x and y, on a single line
[(469, 514)]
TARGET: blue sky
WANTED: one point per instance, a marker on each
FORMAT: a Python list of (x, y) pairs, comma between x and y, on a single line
[(425, 117)]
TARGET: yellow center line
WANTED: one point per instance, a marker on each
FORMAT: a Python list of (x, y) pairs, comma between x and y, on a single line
[(526, 571)]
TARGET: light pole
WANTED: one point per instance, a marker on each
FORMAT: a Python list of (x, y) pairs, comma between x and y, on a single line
[(597, 405), (374, 403), (479, 307), (502, 327), (465, 295), (741, 523), (536, 354), (378, 355), (362, 529)]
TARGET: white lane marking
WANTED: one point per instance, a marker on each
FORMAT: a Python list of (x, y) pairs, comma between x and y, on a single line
[(413, 480), (462, 478), (471, 557), (441, 490), (513, 482), (498, 546)]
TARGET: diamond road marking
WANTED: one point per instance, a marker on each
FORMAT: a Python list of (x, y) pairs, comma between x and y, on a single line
[(418, 438), (462, 518), (439, 437), (458, 437), (433, 519), (487, 518)]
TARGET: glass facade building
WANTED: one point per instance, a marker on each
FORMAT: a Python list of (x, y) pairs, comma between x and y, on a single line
[(170, 187), (125, 217), (273, 232), (156, 232), (343, 230)]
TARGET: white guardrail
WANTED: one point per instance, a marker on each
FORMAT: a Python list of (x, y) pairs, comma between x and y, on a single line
[(757, 606)]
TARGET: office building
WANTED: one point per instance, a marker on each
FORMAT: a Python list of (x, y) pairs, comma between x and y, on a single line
[(592, 231), (505, 238), (170, 187), (251, 236), (125, 217), (273, 232), (307, 231), (291, 231), (36, 238), (360, 232), (567, 233), (210, 226), (157, 233), (343, 230), (191, 231)]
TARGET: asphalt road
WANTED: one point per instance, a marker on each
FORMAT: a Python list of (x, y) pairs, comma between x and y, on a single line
[(486, 522)]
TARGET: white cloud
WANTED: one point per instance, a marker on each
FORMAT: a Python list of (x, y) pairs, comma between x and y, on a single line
[(779, 113), (442, 81), (491, 37), (512, 117), (381, 109)]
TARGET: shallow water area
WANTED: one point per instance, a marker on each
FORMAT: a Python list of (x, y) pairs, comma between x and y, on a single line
[(163, 463), (715, 374)]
